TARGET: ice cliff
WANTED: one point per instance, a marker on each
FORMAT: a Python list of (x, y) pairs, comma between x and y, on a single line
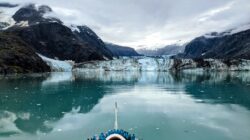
[(164, 64), (58, 65)]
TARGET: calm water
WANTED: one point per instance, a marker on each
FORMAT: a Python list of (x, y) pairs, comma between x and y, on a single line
[(63, 106)]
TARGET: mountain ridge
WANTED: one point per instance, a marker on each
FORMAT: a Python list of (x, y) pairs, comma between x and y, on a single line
[(51, 38), (119, 50), (229, 46)]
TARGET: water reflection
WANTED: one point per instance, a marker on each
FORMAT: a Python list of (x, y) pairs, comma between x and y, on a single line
[(153, 105)]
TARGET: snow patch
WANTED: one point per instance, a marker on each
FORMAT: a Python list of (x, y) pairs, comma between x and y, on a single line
[(23, 24), (74, 28), (58, 65)]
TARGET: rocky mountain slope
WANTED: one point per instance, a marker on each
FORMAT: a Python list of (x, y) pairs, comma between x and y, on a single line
[(118, 50), (90, 38), (219, 46), (18, 57), (167, 50)]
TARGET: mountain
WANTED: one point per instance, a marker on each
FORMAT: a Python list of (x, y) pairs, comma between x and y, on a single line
[(51, 38), (167, 50), (46, 36), (118, 50), (219, 46), (18, 57), (33, 14), (90, 38), (56, 41)]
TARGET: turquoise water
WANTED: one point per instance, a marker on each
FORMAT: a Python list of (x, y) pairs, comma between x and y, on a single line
[(75, 106)]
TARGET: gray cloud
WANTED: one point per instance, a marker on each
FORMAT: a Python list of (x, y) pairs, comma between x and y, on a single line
[(151, 23)]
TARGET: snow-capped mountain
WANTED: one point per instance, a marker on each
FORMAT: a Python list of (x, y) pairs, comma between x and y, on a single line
[(48, 36), (233, 44), (51, 38)]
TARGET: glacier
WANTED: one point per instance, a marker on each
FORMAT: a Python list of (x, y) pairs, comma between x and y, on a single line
[(58, 65), (125, 64), (162, 64)]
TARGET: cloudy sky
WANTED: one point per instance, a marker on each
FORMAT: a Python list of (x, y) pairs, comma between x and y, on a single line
[(151, 23)]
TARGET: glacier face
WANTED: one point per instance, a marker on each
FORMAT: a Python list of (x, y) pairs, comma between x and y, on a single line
[(58, 65), (126, 64), (164, 64)]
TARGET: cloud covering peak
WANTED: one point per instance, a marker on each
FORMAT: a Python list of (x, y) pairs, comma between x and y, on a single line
[(150, 23)]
